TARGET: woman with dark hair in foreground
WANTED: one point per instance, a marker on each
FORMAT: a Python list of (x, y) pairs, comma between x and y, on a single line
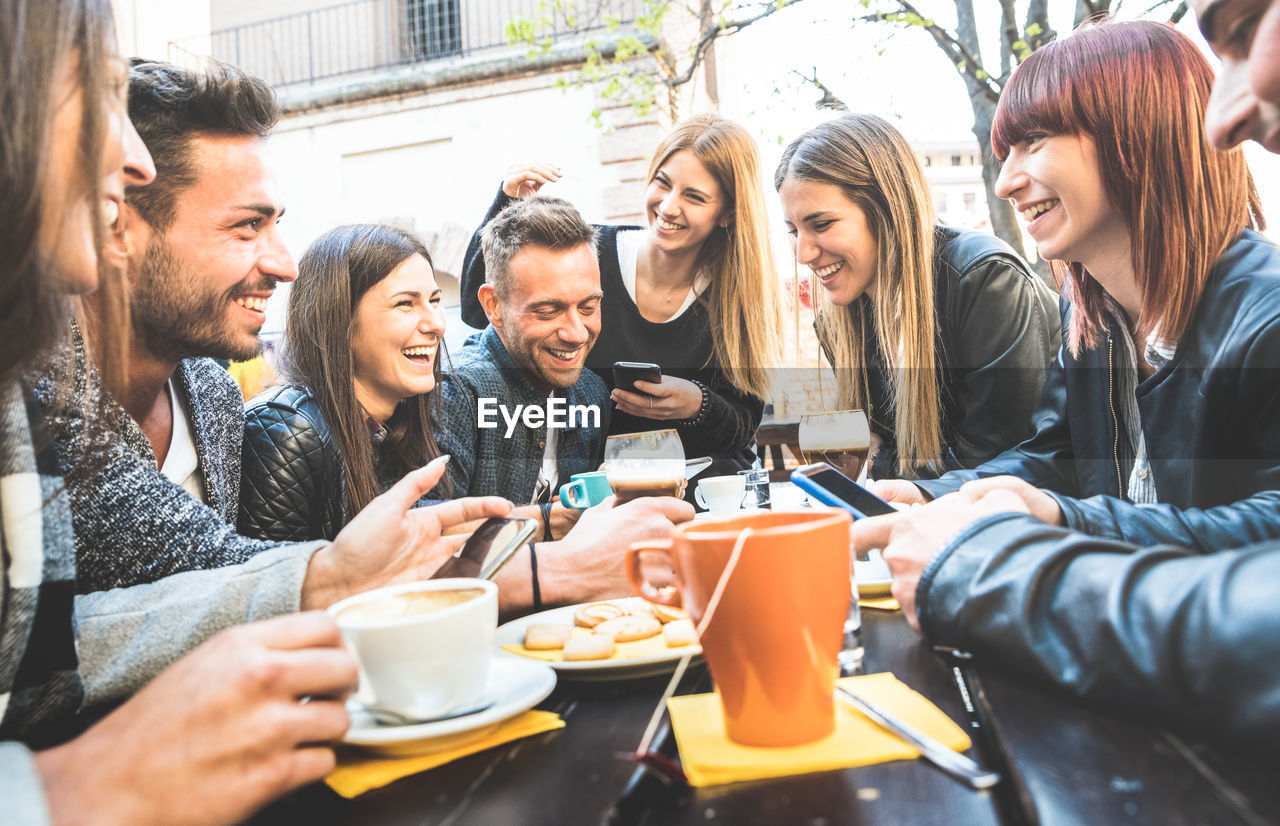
[(361, 360)]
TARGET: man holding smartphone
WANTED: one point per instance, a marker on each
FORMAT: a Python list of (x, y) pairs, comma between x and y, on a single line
[(542, 297)]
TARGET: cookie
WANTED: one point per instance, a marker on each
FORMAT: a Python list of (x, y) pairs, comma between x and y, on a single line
[(589, 616), (588, 647), (668, 613), (642, 608), (680, 632), (546, 636), (630, 628)]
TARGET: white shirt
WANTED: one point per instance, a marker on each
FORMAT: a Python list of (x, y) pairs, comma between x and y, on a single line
[(182, 464), (629, 243), (1142, 484), (548, 470)]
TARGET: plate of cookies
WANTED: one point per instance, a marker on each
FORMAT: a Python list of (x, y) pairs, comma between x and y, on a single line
[(612, 640)]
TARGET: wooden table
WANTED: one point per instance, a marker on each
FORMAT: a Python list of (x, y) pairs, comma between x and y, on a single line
[(1065, 763)]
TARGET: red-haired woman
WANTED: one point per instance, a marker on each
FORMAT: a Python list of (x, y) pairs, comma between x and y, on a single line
[(1160, 421)]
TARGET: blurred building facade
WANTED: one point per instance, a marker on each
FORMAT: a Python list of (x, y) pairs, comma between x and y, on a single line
[(410, 111)]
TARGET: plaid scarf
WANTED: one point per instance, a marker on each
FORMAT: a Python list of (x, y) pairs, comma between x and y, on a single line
[(39, 685)]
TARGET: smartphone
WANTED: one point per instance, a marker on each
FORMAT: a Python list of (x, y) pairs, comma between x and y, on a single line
[(489, 548), (831, 487), (627, 373)]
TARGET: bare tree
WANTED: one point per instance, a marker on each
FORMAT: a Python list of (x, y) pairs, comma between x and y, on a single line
[(718, 19)]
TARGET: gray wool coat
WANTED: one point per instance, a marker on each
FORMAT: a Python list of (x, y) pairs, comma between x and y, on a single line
[(132, 524)]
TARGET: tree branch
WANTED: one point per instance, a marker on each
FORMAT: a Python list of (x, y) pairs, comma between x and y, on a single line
[(729, 27), (967, 63), (828, 99)]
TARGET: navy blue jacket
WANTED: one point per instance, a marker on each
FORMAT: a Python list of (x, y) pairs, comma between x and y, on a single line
[(1191, 638)]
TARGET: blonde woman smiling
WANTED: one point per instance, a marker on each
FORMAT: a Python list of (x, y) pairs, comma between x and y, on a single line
[(943, 336)]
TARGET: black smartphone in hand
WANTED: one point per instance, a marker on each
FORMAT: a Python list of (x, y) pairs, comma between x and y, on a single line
[(627, 373)]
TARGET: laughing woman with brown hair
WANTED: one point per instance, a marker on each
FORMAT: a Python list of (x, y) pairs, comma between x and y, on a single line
[(361, 361)]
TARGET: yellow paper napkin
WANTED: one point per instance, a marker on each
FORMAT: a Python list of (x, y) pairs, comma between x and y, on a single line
[(358, 772), (880, 603), (654, 646), (710, 758)]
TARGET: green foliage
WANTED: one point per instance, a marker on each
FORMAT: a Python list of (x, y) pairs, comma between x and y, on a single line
[(620, 74)]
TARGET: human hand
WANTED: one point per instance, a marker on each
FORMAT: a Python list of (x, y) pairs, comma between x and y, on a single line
[(667, 399), (899, 491), (911, 538), (1038, 503), (214, 737), (391, 541), (587, 564), (525, 179)]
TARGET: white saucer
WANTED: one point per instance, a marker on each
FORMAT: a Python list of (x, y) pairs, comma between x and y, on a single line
[(515, 685), (702, 516)]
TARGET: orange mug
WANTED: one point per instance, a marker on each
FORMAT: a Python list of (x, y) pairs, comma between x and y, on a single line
[(773, 639)]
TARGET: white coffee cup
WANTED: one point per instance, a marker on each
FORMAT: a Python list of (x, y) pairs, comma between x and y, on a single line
[(721, 494), (872, 569), (423, 647)]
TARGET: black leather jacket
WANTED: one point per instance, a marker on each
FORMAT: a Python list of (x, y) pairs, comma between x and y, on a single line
[(998, 328), (1210, 417), (1164, 630), (293, 485)]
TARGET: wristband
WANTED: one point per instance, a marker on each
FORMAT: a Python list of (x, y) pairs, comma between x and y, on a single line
[(546, 521), (533, 567)]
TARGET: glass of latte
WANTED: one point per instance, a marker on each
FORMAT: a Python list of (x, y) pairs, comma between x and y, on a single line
[(644, 464), (842, 439)]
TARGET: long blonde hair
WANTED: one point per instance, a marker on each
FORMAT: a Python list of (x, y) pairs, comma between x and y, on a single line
[(744, 300), (877, 170)]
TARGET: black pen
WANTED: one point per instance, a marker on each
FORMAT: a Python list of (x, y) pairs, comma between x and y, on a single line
[(1012, 799)]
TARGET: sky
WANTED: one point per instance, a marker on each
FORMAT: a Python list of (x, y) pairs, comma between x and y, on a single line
[(899, 74)]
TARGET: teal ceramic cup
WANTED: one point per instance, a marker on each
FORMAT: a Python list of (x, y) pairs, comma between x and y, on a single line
[(585, 489)]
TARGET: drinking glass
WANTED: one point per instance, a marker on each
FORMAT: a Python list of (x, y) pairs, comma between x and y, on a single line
[(842, 439), (644, 464)]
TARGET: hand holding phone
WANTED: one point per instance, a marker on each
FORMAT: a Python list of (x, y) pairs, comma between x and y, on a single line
[(489, 548), (627, 373), (831, 487)]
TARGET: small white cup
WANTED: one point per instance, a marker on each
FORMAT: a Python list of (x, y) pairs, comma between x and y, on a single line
[(872, 569), (421, 657), (721, 494)]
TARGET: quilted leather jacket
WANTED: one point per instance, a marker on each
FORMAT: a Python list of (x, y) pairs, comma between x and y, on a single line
[(1163, 630), (1210, 417), (998, 328), (293, 485)]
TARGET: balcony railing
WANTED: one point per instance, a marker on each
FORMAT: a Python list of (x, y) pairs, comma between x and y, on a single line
[(368, 35)]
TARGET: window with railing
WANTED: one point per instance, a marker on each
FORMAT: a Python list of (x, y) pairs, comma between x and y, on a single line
[(368, 35), (434, 28)]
